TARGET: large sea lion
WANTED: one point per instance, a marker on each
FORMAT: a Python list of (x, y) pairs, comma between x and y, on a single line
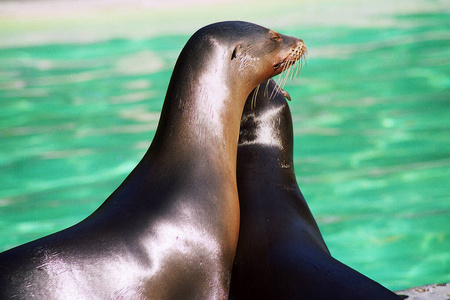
[(170, 230), (281, 253)]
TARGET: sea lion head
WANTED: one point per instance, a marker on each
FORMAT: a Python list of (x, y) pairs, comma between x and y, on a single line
[(267, 122), (245, 53)]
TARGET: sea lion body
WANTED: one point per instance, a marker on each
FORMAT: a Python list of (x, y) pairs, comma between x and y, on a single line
[(170, 230), (281, 253)]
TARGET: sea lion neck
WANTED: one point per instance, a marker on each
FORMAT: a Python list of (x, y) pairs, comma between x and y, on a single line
[(202, 108)]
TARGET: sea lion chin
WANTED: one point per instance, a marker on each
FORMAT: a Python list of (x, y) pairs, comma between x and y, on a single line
[(170, 230)]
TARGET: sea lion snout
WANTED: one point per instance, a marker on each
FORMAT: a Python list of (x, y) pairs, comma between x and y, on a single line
[(292, 51)]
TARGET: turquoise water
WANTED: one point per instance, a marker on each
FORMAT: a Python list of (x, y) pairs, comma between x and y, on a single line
[(371, 114)]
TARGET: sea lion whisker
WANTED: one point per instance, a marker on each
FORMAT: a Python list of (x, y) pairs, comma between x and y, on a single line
[(302, 59), (298, 61), (266, 90), (255, 94), (294, 64), (287, 70), (291, 71), (299, 67), (286, 75), (305, 57), (276, 90), (282, 79), (301, 62)]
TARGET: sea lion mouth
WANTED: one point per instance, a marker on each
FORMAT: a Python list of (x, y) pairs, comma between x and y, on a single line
[(286, 66), (280, 68), (297, 53), (285, 62)]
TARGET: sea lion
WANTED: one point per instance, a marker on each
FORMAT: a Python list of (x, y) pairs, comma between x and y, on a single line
[(281, 253), (170, 230)]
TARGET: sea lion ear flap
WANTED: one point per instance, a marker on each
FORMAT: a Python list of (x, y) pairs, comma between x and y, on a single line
[(237, 51)]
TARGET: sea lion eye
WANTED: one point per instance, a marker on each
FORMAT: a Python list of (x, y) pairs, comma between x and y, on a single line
[(275, 36), (237, 51)]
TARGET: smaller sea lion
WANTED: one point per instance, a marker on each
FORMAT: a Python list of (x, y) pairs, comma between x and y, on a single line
[(281, 253)]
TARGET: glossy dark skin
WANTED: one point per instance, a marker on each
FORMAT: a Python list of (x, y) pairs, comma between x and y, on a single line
[(170, 230), (281, 253)]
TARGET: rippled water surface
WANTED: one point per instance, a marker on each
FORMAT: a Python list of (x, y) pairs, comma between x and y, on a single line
[(371, 112)]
